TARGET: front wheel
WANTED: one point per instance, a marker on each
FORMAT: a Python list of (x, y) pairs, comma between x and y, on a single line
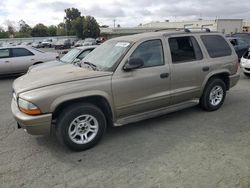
[(214, 95), (81, 127)]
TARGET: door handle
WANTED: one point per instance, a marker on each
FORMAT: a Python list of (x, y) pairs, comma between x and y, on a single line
[(205, 69), (32, 59), (6, 61), (164, 75)]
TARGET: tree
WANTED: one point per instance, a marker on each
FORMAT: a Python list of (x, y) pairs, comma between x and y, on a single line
[(91, 27), (71, 15), (39, 30), (24, 30), (3, 34), (61, 29), (77, 26), (52, 30)]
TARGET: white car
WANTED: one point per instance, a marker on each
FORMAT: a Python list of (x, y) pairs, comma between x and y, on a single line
[(15, 60), (245, 63)]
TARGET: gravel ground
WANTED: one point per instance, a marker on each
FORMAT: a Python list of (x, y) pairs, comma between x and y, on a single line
[(186, 149)]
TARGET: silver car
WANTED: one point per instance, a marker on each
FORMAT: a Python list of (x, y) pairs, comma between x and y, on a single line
[(18, 59)]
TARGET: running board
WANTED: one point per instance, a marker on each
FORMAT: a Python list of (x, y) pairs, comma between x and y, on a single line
[(155, 113)]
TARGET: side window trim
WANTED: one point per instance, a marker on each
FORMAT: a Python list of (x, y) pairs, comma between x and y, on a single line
[(162, 49)]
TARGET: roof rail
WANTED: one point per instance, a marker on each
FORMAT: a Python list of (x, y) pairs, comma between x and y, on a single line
[(187, 30)]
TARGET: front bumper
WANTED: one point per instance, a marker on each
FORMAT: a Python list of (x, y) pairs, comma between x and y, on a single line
[(35, 125), (233, 79)]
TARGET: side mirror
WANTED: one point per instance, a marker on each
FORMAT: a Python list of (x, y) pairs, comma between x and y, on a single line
[(133, 63)]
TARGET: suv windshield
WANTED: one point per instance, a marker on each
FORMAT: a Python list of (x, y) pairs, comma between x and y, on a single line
[(70, 56), (106, 55)]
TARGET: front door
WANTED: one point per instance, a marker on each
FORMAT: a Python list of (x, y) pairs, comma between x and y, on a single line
[(146, 88)]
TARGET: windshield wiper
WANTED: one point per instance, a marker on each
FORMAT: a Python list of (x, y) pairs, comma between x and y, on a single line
[(93, 66)]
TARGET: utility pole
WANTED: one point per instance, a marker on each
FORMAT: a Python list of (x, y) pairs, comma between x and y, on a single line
[(114, 22)]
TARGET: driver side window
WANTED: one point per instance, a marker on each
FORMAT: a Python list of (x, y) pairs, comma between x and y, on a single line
[(151, 52)]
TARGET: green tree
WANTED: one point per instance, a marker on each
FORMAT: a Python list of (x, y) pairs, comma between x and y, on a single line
[(39, 30), (52, 30), (3, 34), (24, 31), (91, 27), (61, 30), (77, 26), (71, 15)]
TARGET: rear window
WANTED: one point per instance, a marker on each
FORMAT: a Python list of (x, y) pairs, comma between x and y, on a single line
[(216, 46)]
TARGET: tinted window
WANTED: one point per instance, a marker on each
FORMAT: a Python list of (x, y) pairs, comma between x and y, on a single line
[(19, 52), (216, 46), (184, 49), (4, 53), (150, 52)]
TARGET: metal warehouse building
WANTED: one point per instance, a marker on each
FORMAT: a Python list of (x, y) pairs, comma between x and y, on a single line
[(226, 26)]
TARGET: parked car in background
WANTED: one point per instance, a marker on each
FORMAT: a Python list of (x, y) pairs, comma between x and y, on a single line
[(18, 59), (79, 43), (73, 56), (37, 44), (100, 40), (47, 43), (62, 44), (26, 43), (124, 80), (245, 36), (245, 63), (89, 41), (240, 45)]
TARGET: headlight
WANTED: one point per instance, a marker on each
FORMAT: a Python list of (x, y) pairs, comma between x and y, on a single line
[(28, 108)]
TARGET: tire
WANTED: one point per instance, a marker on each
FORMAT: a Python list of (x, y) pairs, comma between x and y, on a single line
[(247, 74), (213, 95), (73, 120)]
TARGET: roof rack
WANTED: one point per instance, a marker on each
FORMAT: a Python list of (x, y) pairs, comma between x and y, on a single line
[(187, 30)]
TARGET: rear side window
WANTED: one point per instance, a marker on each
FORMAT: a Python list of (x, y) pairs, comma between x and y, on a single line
[(19, 52), (184, 49), (4, 53), (151, 52), (216, 46)]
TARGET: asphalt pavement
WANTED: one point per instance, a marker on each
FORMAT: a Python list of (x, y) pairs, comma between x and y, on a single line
[(186, 149)]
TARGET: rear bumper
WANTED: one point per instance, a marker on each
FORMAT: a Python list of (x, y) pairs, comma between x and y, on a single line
[(35, 125), (233, 79)]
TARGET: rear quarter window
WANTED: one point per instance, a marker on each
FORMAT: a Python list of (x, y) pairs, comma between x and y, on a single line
[(216, 46)]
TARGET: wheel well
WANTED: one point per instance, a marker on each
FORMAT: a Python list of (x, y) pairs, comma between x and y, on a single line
[(99, 101), (224, 77), (36, 63)]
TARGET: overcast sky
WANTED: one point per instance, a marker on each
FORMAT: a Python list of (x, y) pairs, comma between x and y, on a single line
[(126, 12)]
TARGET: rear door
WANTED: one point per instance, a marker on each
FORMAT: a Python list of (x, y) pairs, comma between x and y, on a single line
[(21, 59), (5, 66), (188, 68)]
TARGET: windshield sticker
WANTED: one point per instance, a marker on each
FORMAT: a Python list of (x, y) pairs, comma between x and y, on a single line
[(122, 44)]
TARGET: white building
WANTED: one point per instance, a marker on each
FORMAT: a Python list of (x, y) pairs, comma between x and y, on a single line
[(226, 26)]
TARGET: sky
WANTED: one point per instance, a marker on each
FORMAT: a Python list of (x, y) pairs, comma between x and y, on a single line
[(127, 13)]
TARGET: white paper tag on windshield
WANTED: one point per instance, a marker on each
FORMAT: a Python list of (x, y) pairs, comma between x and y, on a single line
[(122, 44)]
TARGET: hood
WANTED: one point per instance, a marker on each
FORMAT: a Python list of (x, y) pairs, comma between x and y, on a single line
[(54, 75), (45, 65)]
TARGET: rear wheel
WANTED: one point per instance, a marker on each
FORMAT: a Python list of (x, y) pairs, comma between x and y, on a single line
[(81, 127), (214, 95)]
